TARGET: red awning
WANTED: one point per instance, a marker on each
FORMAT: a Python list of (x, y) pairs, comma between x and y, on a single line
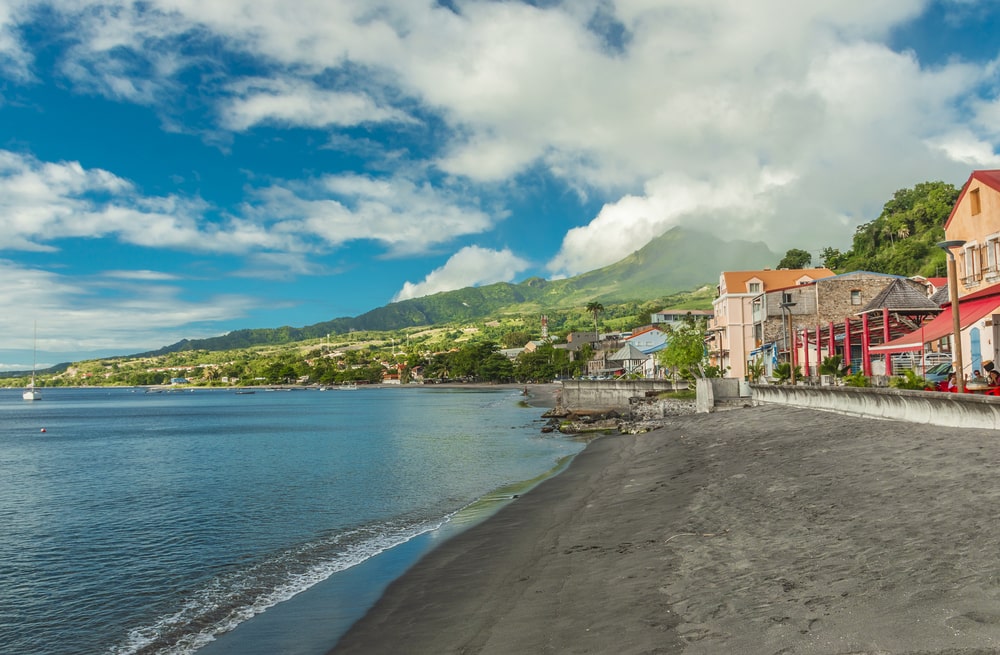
[(970, 311)]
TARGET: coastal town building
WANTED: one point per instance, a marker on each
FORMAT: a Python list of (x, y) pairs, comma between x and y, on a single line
[(892, 306), (731, 329), (629, 360), (973, 227), (675, 316), (648, 339), (796, 323)]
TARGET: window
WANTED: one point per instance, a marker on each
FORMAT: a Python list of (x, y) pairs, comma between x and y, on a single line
[(754, 287), (974, 205), (855, 296), (786, 297)]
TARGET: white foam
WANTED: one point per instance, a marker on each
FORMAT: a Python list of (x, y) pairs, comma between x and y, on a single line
[(253, 590)]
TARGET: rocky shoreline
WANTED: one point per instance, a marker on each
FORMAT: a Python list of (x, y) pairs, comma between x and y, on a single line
[(643, 415)]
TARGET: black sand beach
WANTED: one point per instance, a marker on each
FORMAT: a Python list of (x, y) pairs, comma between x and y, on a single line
[(767, 530)]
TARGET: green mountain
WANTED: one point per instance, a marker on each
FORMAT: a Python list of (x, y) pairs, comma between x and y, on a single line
[(676, 261)]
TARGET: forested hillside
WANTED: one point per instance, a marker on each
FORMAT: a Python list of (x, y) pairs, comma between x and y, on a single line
[(902, 239)]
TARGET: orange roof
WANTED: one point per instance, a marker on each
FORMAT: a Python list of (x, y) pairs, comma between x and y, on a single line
[(648, 328), (990, 178), (736, 281), (693, 312)]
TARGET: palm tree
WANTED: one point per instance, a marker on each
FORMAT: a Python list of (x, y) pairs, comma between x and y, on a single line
[(595, 308)]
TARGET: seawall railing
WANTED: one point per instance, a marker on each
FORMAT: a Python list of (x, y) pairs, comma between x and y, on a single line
[(930, 407)]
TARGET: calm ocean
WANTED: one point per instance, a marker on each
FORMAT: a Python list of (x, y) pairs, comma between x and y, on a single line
[(154, 523)]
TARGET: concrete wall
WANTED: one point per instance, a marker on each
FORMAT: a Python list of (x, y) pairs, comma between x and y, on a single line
[(609, 394), (934, 408)]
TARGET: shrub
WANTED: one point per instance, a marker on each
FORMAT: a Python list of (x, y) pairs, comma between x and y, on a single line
[(755, 370), (783, 371), (858, 379), (831, 366), (909, 380)]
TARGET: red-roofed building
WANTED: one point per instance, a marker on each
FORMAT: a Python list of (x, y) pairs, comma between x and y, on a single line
[(732, 327), (974, 220)]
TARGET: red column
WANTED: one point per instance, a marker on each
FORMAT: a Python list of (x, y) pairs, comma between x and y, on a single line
[(866, 362), (832, 345), (805, 364), (886, 339), (795, 347), (847, 343)]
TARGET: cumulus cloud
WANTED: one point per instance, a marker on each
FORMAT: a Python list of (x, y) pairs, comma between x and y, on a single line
[(77, 313), (405, 215), (626, 225), (301, 103), (42, 202), (470, 266), (141, 274), (707, 112), (15, 60)]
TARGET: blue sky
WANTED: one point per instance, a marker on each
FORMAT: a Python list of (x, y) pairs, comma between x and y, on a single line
[(182, 168)]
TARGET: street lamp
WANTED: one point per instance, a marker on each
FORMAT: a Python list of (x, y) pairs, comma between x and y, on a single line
[(786, 307), (956, 323)]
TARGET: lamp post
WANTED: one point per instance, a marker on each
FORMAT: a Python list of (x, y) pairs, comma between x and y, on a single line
[(956, 322), (786, 307)]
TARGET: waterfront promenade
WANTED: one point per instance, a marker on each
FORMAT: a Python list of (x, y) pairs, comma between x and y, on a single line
[(766, 530)]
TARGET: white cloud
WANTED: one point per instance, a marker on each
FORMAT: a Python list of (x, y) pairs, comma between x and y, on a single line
[(670, 110), (470, 266), (301, 103), (15, 60), (405, 215), (625, 226), (156, 276), (965, 147), (41, 202), (76, 313)]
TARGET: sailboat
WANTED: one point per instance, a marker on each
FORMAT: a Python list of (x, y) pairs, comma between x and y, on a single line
[(30, 392)]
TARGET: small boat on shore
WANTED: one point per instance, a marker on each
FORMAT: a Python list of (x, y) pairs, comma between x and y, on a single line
[(350, 386)]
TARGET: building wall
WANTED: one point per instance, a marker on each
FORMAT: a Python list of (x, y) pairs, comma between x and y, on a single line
[(978, 260), (827, 300), (834, 296)]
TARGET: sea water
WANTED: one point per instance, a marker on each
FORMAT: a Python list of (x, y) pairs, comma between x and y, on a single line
[(179, 521)]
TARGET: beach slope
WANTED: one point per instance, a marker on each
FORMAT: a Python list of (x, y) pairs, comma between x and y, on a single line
[(766, 530)]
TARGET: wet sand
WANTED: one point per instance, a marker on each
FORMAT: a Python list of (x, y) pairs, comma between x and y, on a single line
[(769, 530)]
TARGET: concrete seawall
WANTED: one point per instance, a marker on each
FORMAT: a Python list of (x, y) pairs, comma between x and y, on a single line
[(610, 394), (930, 407)]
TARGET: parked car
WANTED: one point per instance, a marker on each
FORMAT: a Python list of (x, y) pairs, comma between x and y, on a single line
[(939, 372)]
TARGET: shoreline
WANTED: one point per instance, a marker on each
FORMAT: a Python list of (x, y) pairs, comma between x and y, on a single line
[(325, 603), (761, 530)]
